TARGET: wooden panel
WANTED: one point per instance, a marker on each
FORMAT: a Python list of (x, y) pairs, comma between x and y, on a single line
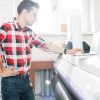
[(41, 65)]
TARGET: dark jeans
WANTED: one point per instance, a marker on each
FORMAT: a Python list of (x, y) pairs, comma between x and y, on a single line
[(17, 88)]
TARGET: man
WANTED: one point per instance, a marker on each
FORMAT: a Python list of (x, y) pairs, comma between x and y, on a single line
[(16, 42)]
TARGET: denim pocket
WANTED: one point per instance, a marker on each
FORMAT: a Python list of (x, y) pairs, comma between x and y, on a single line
[(9, 86)]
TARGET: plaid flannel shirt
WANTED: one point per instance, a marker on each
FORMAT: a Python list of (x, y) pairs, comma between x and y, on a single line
[(16, 46)]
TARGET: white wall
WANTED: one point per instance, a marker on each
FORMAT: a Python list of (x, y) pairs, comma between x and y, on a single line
[(86, 21), (6, 11), (63, 9), (97, 14)]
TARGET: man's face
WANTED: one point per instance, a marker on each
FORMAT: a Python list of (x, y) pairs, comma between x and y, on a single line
[(31, 16)]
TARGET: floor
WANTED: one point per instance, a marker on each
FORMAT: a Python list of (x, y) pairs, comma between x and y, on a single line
[(44, 98), (37, 97)]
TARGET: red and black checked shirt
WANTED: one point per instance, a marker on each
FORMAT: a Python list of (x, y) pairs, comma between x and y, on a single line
[(16, 45)]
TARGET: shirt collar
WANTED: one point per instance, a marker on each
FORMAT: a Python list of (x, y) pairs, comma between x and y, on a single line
[(18, 27)]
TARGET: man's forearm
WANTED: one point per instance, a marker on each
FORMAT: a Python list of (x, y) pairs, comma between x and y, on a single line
[(1, 67), (59, 49), (56, 49)]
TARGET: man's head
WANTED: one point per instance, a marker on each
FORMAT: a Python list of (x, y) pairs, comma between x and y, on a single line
[(28, 10)]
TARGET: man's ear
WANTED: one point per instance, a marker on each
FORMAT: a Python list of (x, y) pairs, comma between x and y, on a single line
[(24, 12)]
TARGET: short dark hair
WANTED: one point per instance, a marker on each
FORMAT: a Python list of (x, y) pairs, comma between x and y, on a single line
[(26, 4)]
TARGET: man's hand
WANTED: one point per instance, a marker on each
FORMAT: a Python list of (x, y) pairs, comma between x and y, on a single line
[(75, 51), (9, 72)]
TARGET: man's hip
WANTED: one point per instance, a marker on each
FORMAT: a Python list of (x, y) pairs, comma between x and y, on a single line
[(18, 83), (16, 87)]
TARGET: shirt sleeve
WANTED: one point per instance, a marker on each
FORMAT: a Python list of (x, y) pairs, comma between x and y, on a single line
[(39, 42), (2, 33)]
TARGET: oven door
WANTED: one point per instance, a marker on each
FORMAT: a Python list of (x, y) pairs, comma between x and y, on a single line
[(60, 91)]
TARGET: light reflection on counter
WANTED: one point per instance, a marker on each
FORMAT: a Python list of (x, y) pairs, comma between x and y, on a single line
[(81, 75)]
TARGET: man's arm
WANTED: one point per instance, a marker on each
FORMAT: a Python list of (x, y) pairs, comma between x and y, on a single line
[(55, 48), (2, 38), (41, 43), (5, 72), (59, 49)]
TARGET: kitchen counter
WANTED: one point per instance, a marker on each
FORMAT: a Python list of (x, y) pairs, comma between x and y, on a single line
[(81, 74), (88, 63), (40, 55)]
